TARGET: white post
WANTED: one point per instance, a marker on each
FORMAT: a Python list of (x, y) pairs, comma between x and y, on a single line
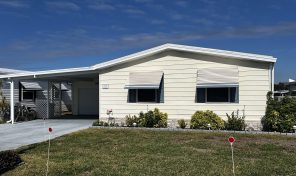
[(12, 101), (60, 94), (232, 159), (47, 104), (272, 80)]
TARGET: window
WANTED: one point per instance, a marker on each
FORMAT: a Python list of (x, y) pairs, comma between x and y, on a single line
[(221, 94), (28, 95), (147, 95), (143, 95)]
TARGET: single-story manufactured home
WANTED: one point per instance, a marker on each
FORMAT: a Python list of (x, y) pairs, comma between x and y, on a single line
[(177, 79)]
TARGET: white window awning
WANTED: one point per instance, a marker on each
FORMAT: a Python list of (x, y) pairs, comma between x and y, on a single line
[(144, 80), (217, 77), (31, 85)]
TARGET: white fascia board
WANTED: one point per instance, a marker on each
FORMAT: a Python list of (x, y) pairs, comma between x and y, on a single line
[(223, 53), (193, 49), (12, 71), (131, 57), (47, 72)]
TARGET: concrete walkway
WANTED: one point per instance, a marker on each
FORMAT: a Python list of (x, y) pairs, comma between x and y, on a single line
[(25, 133)]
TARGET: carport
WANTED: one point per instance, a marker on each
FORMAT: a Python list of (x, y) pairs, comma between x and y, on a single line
[(84, 89)]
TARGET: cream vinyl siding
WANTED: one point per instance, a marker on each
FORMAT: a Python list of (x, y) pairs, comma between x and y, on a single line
[(180, 76)]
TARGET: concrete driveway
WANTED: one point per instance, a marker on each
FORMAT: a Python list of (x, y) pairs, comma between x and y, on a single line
[(20, 134)]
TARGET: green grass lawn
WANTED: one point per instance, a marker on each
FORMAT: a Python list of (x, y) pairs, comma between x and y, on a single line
[(138, 152)]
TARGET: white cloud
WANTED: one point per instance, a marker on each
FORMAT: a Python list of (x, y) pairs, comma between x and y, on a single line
[(48, 46), (14, 4), (63, 5), (182, 3), (157, 21), (101, 6), (143, 1), (177, 16), (134, 11)]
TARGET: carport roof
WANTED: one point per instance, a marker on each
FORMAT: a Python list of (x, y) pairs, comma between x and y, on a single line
[(139, 55)]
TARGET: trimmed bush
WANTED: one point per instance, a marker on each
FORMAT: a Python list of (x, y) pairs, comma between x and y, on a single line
[(98, 123), (235, 122), (9, 160), (280, 115), (130, 120), (150, 119), (160, 119), (154, 119), (182, 123), (201, 119)]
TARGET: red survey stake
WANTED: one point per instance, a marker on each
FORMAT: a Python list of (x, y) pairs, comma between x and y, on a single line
[(231, 140)]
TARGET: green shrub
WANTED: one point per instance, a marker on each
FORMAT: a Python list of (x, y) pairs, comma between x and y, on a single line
[(98, 123), (201, 119), (9, 160), (280, 115), (235, 122), (150, 119), (130, 120), (182, 123), (160, 119), (105, 124), (154, 119)]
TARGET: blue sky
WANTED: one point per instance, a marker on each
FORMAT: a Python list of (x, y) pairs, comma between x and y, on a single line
[(39, 35)]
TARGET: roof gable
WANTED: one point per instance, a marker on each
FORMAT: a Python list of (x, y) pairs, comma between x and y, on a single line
[(150, 52), (185, 48)]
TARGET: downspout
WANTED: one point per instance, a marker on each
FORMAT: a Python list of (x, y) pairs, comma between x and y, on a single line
[(271, 74), (272, 77), (12, 101)]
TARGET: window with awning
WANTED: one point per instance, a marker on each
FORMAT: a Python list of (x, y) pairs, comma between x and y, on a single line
[(31, 85), (28, 90), (144, 80), (217, 77), (217, 85), (145, 87)]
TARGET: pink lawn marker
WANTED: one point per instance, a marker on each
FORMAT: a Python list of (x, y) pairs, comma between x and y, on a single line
[(231, 140), (48, 149)]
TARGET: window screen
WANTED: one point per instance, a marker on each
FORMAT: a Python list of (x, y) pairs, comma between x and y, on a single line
[(146, 95), (217, 94), (132, 95), (221, 94), (201, 95), (28, 95)]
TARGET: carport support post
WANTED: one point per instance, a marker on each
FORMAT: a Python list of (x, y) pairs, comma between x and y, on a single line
[(12, 101), (47, 102)]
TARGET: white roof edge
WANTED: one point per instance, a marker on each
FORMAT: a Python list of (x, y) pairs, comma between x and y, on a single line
[(13, 71), (151, 51), (186, 48), (47, 72)]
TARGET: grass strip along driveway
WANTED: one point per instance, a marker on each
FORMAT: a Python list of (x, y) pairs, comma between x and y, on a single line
[(140, 152)]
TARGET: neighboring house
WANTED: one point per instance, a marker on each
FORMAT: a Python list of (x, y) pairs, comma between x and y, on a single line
[(177, 79), (283, 89), (32, 93)]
